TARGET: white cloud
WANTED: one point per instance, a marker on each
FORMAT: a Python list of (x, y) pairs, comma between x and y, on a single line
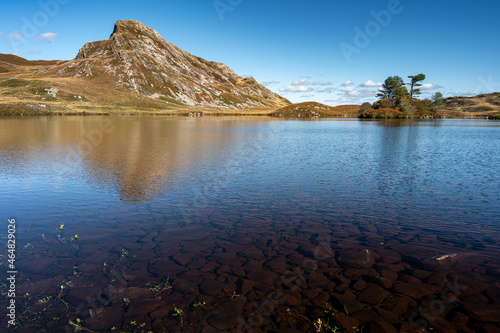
[(351, 95), (347, 83), (267, 83), (429, 86), (295, 89), (322, 83), (34, 52), (348, 89), (1, 34), (300, 82), (48, 36), (371, 83), (328, 90), (16, 36), (307, 96), (464, 94)]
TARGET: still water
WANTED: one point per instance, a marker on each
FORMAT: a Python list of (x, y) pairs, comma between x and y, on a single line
[(241, 224)]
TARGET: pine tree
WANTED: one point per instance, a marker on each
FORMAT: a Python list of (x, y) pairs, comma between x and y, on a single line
[(393, 87), (415, 79)]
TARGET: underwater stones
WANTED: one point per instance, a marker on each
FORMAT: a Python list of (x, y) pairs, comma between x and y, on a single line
[(184, 286), (384, 282), (483, 312), (460, 321), (252, 252), (224, 321), (348, 302), (209, 267), (183, 258), (442, 325), (165, 267), (345, 322), (365, 316), (104, 318), (237, 270), (211, 288), (143, 306), (291, 298), (359, 285), (193, 276), (277, 265), (42, 264), (131, 293), (373, 294), (41, 286), (493, 293), (359, 273), (414, 290), (357, 259), (389, 256), (316, 279), (388, 316), (232, 306), (265, 277), (321, 299), (381, 327), (311, 293), (397, 305)]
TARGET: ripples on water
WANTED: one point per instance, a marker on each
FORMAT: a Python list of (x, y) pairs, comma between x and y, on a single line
[(211, 193)]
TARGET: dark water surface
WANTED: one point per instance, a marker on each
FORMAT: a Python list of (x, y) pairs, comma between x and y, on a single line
[(251, 224)]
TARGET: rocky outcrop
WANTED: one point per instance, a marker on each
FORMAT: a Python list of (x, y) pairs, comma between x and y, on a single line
[(140, 59)]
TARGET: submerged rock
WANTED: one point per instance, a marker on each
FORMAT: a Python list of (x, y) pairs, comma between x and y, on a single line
[(359, 259)]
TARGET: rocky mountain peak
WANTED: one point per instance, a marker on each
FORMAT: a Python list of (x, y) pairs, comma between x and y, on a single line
[(134, 29), (140, 59)]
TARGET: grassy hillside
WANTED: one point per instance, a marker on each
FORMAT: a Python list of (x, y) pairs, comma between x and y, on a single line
[(314, 109), (487, 105)]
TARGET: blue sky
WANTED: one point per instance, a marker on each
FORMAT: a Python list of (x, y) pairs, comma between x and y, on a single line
[(333, 52)]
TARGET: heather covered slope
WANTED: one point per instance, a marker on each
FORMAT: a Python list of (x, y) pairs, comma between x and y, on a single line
[(476, 106), (314, 109)]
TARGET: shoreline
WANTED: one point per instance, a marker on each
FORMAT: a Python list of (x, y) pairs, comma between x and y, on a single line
[(35, 108), (218, 114)]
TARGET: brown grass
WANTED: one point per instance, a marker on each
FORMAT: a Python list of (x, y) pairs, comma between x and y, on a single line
[(478, 106), (310, 108)]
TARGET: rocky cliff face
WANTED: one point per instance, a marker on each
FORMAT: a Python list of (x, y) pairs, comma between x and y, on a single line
[(138, 58)]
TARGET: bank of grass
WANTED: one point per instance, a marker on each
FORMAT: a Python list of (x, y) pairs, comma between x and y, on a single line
[(23, 110), (314, 109), (495, 116)]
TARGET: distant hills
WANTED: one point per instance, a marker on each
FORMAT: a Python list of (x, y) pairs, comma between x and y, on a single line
[(481, 105)]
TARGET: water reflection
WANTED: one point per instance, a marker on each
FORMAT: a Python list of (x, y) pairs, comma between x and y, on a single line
[(138, 157)]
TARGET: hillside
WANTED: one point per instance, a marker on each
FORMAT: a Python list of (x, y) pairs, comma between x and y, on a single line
[(134, 69), (314, 109), (476, 106)]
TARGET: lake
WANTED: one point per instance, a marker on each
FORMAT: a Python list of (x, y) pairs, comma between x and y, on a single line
[(251, 224)]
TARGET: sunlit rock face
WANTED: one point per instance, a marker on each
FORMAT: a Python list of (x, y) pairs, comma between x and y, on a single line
[(141, 60)]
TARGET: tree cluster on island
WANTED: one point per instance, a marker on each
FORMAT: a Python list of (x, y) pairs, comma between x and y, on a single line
[(397, 102)]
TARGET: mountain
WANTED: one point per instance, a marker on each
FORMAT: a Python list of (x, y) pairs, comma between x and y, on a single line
[(136, 67)]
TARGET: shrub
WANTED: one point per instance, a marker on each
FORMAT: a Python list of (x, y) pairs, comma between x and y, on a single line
[(385, 113)]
